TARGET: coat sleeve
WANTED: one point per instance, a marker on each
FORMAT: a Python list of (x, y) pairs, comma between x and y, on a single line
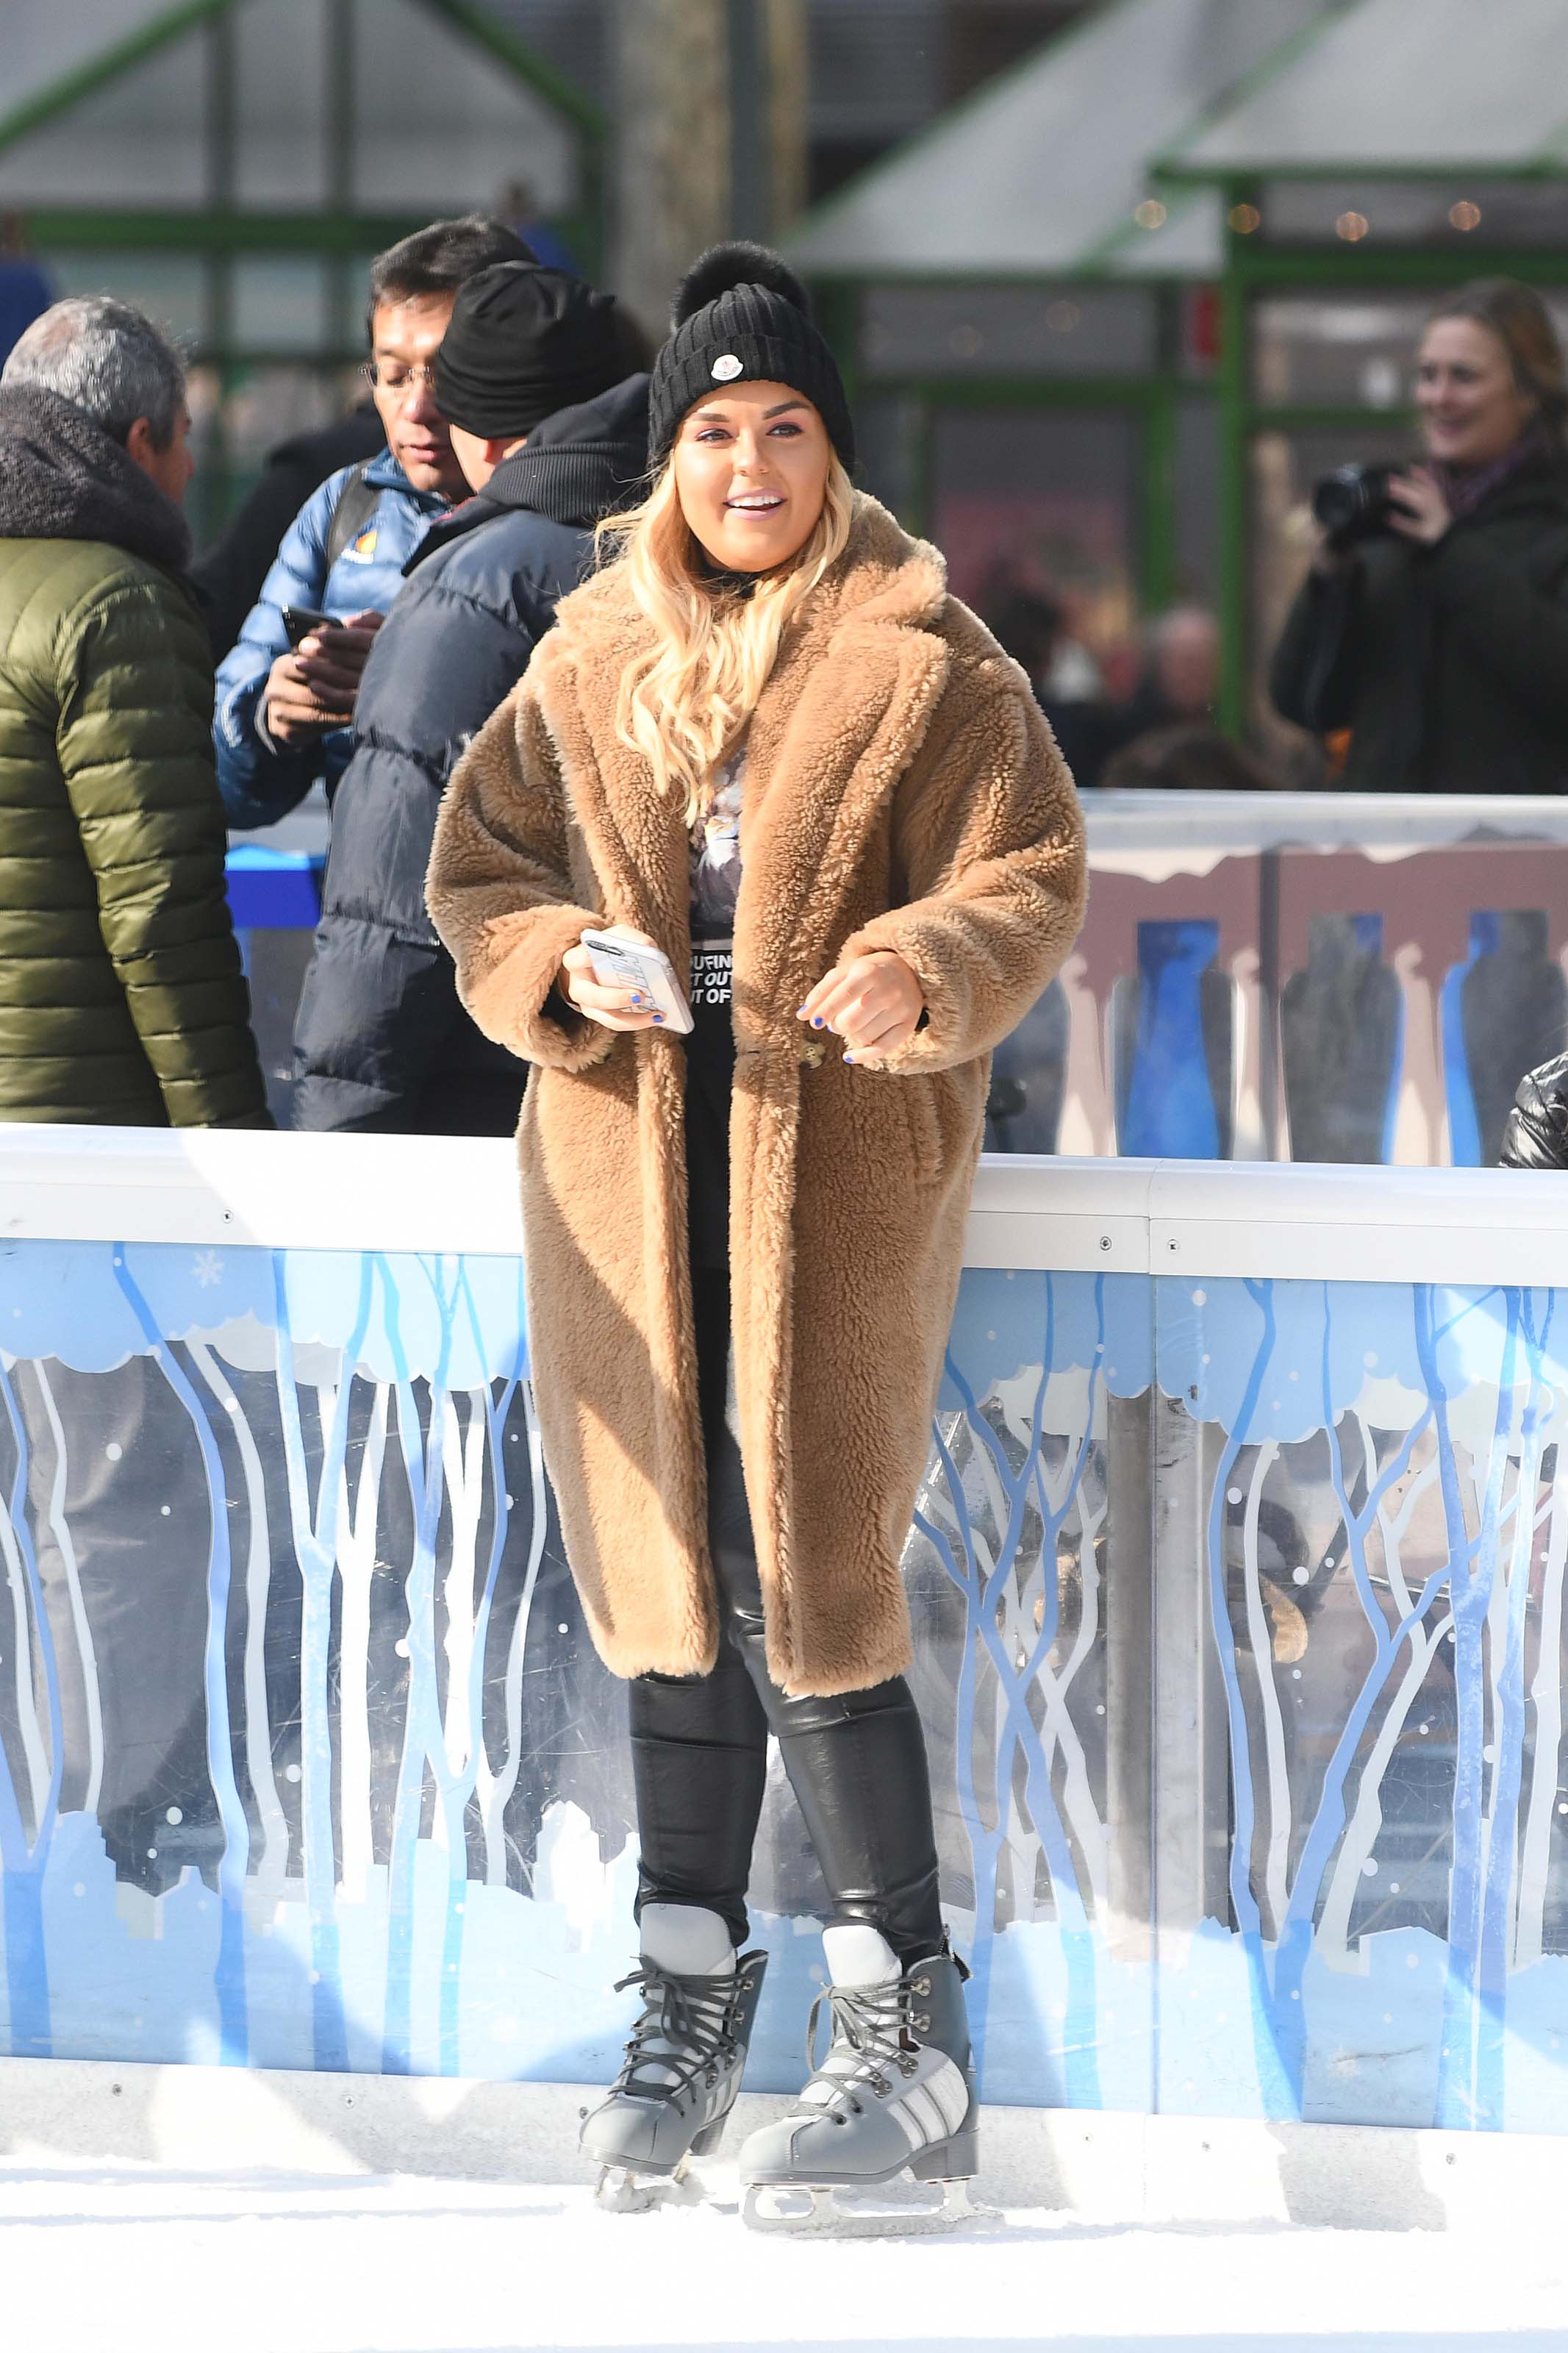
[(991, 840), (261, 781), (380, 1003), (228, 578), (135, 750), (1314, 677), (499, 890), (1516, 629)]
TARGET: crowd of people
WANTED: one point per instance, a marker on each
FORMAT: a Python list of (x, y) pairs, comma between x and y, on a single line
[(383, 588), (1163, 733)]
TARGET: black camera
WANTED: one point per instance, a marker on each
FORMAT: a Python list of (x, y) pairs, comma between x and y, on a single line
[(1353, 502)]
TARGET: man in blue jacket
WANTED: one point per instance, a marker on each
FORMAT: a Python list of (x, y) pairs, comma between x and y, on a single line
[(283, 715), (551, 438)]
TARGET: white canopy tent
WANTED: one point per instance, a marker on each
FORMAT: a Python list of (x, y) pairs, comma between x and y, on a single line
[(1040, 173), (1383, 88)]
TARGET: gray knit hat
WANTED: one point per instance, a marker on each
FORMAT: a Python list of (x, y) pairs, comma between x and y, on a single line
[(739, 313)]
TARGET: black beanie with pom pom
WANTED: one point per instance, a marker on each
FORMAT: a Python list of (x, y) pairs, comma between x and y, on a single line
[(740, 313)]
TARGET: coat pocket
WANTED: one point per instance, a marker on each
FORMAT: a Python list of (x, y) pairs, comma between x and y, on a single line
[(918, 1094), (944, 1113)]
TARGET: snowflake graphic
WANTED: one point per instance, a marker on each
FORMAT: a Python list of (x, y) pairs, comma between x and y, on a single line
[(207, 1267)]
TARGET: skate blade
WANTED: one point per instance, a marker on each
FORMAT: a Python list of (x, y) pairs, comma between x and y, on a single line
[(801, 2212), (621, 2189)]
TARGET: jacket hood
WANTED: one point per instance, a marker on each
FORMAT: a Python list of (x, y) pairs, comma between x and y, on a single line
[(580, 464), (63, 477)]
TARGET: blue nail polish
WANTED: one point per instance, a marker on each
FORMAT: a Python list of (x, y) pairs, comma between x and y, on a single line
[(850, 1057), (816, 1021), (658, 1017), (800, 1013)]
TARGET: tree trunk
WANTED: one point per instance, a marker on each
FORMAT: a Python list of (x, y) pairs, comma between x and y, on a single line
[(711, 124), (787, 87), (671, 154)]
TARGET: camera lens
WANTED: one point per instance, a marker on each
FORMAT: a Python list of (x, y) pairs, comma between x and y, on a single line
[(1339, 500)]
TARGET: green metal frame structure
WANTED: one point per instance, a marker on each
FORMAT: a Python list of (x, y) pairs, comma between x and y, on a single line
[(1245, 267), (1150, 403), (1254, 268), (223, 231)]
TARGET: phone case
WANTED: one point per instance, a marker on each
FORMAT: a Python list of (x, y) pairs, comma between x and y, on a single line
[(622, 963)]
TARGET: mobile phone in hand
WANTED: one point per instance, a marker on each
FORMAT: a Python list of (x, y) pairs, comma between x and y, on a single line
[(621, 962), (301, 622)]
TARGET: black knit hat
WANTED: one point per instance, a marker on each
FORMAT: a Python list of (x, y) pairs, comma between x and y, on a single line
[(523, 342), (740, 313)]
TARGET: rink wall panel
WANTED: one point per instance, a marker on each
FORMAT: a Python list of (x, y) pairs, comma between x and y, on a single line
[(1299, 976), (1237, 1578)]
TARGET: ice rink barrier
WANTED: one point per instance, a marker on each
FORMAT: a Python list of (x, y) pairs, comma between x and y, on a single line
[(1321, 976), (1238, 1580)]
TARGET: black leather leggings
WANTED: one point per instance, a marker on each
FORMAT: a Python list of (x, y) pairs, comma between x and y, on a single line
[(857, 1763)]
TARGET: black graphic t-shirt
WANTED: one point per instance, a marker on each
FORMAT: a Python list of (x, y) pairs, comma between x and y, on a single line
[(710, 1048)]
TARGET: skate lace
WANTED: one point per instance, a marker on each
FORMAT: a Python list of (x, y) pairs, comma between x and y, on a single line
[(696, 2011), (873, 2033)]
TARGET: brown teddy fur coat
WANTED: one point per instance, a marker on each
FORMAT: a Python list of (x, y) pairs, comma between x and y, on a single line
[(902, 791)]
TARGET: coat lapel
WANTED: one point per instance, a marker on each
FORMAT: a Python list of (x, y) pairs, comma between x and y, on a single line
[(636, 836), (862, 705), (843, 715)]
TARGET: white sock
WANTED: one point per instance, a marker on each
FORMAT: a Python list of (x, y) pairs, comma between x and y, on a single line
[(687, 1940), (858, 1955)]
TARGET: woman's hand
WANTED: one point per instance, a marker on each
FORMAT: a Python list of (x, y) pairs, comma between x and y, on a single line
[(874, 1003), (1418, 510), (612, 1009)]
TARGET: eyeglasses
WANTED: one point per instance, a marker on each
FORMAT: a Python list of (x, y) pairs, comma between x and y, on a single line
[(397, 379)]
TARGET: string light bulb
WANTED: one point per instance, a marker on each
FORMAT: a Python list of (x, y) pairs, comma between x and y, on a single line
[(1351, 226), (1151, 214), (1465, 216), (1244, 219)]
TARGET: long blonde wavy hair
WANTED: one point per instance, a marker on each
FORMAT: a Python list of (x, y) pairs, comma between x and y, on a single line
[(687, 701)]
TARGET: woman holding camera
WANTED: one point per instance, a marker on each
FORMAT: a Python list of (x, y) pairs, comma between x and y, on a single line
[(767, 735), (1434, 625)]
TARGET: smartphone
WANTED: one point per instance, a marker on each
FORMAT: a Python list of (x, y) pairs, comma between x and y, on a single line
[(621, 962), (301, 622)]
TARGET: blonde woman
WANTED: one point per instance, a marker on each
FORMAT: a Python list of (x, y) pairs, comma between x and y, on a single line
[(765, 738)]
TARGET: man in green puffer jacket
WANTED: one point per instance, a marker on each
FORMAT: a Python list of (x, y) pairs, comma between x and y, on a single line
[(121, 997)]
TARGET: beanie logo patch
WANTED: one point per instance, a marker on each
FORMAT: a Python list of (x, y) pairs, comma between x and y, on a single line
[(726, 368)]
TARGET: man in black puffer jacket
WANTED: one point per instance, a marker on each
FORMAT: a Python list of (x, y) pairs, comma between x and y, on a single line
[(1536, 1135), (527, 377)]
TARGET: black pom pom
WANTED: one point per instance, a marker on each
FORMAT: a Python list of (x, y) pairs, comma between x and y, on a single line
[(738, 263)]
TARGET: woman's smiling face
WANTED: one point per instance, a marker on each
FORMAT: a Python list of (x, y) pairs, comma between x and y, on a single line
[(1472, 408), (751, 471)]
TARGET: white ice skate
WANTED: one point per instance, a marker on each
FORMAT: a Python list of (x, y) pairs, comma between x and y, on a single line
[(683, 2064), (894, 2095)]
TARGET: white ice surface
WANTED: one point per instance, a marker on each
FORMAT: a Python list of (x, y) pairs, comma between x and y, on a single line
[(130, 2260)]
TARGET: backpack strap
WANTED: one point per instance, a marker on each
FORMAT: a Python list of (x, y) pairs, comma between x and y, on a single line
[(352, 510)]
